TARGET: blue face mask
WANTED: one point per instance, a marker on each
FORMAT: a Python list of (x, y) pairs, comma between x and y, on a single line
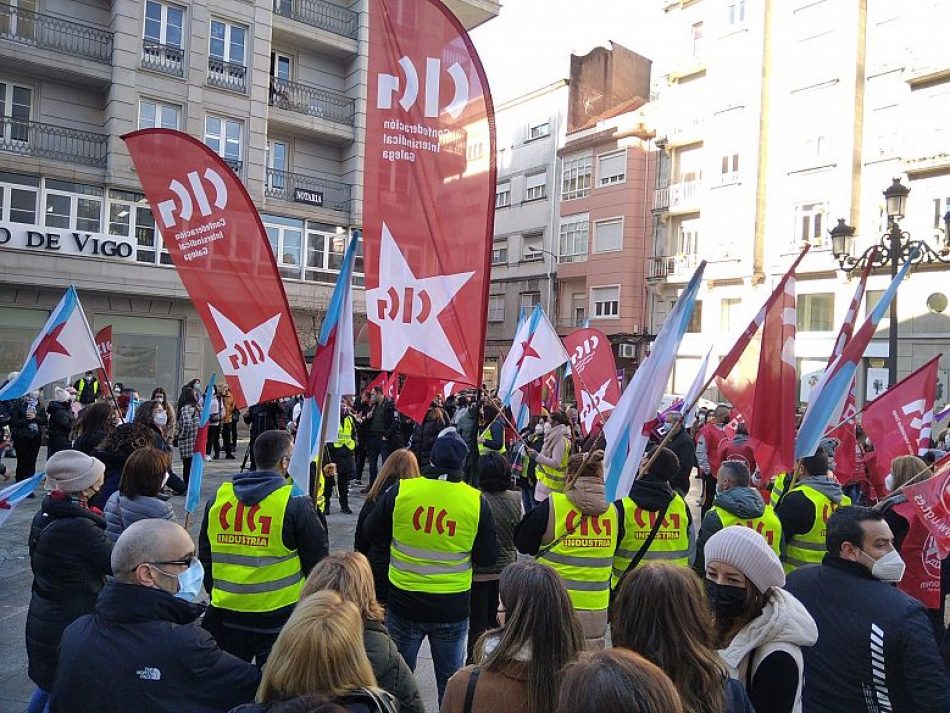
[(189, 581)]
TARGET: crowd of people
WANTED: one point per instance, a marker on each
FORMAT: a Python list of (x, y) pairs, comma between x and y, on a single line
[(534, 590)]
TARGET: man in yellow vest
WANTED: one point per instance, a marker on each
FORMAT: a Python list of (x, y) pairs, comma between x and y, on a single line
[(342, 453), (257, 545), (644, 536), (804, 511), (492, 434), (435, 530), (737, 503)]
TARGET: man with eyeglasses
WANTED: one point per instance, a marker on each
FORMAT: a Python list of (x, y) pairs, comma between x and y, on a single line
[(143, 648)]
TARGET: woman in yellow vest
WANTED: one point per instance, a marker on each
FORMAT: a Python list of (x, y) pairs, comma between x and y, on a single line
[(552, 458), (576, 533)]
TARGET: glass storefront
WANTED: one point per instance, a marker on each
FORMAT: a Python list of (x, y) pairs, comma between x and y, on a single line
[(20, 327), (146, 352)]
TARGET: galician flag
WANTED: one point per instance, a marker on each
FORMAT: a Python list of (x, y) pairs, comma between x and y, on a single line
[(13, 494), (64, 347), (536, 351), (201, 446)]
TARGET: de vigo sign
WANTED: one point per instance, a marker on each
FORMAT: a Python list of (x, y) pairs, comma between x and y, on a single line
[(55, 241)]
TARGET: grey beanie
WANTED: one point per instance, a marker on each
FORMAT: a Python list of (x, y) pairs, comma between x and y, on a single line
[(747, 551), (73, 472)]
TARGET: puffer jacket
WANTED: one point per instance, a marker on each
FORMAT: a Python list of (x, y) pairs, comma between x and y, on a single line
[(120, 512), (61, 420), (506, 510), (376, 552), (783, 628), (741, 502), (391, 672), (23, 427), (70, 556)]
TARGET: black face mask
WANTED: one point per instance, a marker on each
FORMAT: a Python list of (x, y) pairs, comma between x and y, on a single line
[(727, 601)]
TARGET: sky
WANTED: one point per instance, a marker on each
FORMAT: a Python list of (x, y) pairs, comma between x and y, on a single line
[(530, 43)]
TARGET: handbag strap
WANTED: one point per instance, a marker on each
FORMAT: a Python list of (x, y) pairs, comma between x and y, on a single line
[(646, 543), (470, 690)]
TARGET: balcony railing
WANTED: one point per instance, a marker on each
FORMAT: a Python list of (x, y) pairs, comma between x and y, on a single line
[(31, 138), (312, 101), (163, 58), (235, 165), (227, 75), (297, 188), (677, 196), (54, 33), (323, 15), (663, 266)]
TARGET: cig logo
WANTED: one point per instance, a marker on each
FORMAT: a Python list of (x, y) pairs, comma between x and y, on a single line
[(389, 85), (197, 195)]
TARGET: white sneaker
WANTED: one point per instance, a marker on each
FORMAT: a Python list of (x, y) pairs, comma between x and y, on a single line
[(207, 458)]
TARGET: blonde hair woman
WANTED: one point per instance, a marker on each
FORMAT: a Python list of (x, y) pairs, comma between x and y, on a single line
[(349, 575), (320, 651), (400, 465)]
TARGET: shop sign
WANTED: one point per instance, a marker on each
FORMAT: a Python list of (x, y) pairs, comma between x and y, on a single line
[(54, 241), (310, 197)]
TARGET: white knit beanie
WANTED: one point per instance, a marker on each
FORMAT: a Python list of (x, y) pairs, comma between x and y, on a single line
[(60, 394), (73, 472), (747, 551)]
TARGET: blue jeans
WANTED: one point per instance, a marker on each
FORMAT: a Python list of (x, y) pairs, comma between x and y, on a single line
[(39, 701), (446, 641), (527, 498)]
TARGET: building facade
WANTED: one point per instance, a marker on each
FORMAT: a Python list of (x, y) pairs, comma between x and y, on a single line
[(275, 87), (775, 119)]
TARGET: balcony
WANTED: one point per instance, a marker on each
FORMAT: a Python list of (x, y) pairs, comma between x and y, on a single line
[(309, 190), (320, 14), (53, 33), (678, 198), (687, 131), (227, 75), (59, 143), (163, 58), (311, 101), (234, 165), (662, 267)]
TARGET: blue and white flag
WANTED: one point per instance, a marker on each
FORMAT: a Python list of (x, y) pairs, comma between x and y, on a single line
[(63, 348), (536, 351), (16, 493), (196, 474), (623, 431)]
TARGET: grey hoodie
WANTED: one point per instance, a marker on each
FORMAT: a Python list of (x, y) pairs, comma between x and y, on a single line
[(741, 502), (824, 484)]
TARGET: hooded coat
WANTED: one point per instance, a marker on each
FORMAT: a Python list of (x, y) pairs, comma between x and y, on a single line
[(120, 512), (797, 512), (766, 656), (741, 502), (60, 426)]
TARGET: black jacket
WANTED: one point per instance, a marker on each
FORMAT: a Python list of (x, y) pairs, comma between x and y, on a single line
[(143, 650), (70, 556), (88, 442), (422, 606), (303, 531), (392, 673), (60, 425), (20, 425), (684, 448), (423, 438), (875, 643), (376, 552)]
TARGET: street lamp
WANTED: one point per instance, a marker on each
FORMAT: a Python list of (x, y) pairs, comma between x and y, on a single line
[(532, 250), (893, 250)]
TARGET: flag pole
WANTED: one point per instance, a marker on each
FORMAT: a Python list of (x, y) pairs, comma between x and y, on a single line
[(102, 366)]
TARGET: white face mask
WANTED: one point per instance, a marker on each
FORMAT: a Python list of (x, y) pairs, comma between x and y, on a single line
[(539, 429), (889, 568), (161, 418), (889, 482)]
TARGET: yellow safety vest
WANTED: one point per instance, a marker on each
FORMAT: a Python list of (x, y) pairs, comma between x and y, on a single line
[(483, 449), (434, 527), (809, 548), (768, 525), (778, 488), (671, 543), (344, 437), (553, 476), (583, 557), (82, 387), (253, 570)]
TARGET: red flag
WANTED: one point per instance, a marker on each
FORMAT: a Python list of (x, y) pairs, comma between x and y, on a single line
[(381, 380), (104, 345), (551, 391), (417, 393), (763, 390), (217, 241), (931, 501), (594, 373), (897, 420), (429, 192)]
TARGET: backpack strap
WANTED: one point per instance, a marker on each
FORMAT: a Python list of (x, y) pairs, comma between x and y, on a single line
[(470, 690)]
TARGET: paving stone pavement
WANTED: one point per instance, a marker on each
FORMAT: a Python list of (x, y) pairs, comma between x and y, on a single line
[(16, 580)]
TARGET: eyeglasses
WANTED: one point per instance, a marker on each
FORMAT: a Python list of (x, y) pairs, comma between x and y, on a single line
[(184, 562)]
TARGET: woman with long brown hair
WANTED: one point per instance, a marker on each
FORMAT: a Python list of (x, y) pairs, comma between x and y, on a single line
[(518, 666), (661, 613), (617, 681), (400, 465)]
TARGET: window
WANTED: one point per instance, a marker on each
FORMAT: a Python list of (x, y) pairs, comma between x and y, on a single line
[(535, 187), (871, 298), (531, 245), (576, 177), (276, 159), (223, 136), (475, 151), (730, 169), (72, 206), (579, 309), (538, 131), (163, 23), (281, 65), (499, 252), (503, 195), (605, 302), (130, 216), (18, 197), (612, 168), (574, 233), (286, 240), (809, 223), (227, 42), (816, 312), (156, 115), (529, 300), (695, 325), (728, 319), (15, 106), (696, 34), (940, 211), (325, 247), (496, 308), (688, 238), (735, 13), (608, 235)]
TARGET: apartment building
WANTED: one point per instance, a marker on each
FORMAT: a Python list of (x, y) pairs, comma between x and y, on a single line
[(530, 129), (276, 87), (775, 119)]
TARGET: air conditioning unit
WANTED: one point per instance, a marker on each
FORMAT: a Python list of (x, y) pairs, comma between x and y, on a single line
[(626, 351)]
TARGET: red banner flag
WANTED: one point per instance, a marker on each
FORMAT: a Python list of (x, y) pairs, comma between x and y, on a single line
[(897, 420), (217, 241), (417, 393), (104, 345), (428, 191), (931, 501), (594, 373)]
